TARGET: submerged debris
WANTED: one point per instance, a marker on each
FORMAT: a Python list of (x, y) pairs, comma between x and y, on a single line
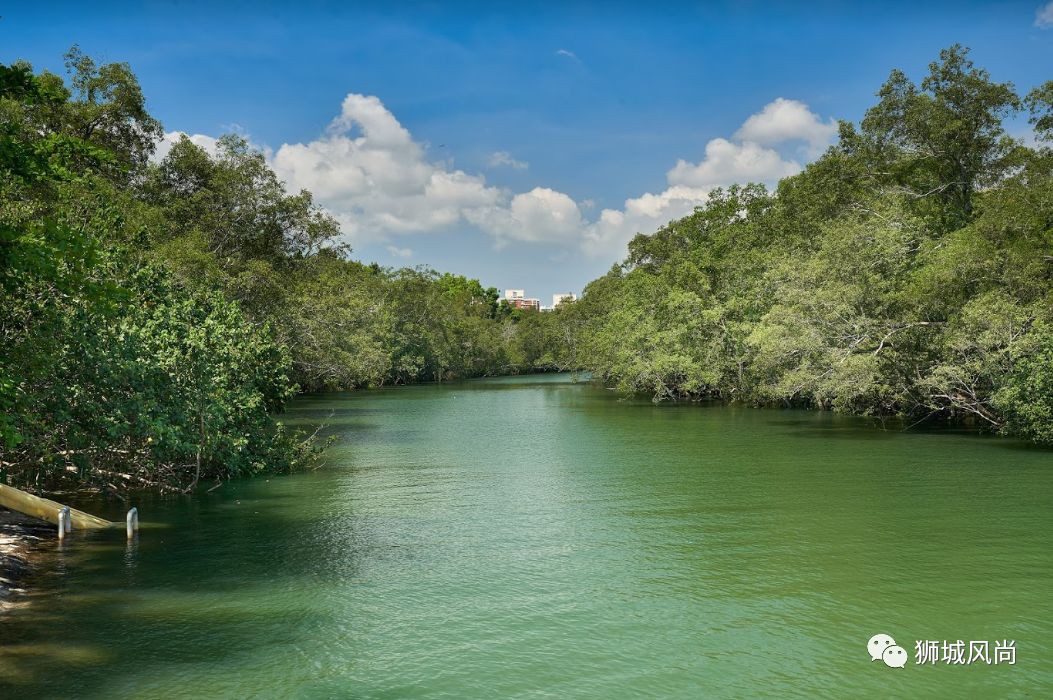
[(20, 537)]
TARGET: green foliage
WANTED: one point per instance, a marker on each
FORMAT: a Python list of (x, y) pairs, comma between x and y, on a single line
[(214, 378), (157, 314), (46, 262), (1026, 398), (166, 388), (908, 271), (108, 110), (1040, 104), (111, 371), (941, 142)]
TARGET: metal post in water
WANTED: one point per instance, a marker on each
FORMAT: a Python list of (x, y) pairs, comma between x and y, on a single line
[(62, 529), (69, 519), (132, 522)]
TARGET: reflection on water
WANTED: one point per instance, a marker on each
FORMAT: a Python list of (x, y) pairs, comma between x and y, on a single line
[(532, 536)]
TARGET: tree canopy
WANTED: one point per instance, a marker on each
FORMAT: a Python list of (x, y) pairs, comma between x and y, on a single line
[(905, 272), (158, 313)]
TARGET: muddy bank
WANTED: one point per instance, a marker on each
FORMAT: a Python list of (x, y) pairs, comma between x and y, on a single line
[(22, 539)]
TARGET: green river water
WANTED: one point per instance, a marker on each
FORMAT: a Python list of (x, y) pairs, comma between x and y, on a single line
[(539, 538)]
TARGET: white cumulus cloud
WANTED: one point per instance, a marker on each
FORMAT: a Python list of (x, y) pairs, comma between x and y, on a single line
[(727, 162), (541, 214), (500, 159), (171, 138), (749, 156), (1044, 16), (784, 121), (367, 170), (370, 172), (643, 214), (375, 178)]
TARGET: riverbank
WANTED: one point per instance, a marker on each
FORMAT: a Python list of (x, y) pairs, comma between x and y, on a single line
[(21, 539)]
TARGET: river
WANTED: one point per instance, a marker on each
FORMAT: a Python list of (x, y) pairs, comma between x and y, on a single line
[(540, 538)]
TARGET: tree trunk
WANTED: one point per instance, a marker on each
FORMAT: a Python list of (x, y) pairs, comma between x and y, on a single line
[(200, 447)]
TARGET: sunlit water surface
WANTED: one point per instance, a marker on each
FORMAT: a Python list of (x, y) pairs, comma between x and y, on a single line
[(535, 537)]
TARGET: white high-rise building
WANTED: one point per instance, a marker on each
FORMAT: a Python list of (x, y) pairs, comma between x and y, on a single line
[(511, 294)]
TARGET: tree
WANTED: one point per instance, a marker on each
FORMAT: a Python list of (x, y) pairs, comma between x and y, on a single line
[(941, 142), (111, 371), (1026, 399), (1040, 105), (906, 272), (108, 110)]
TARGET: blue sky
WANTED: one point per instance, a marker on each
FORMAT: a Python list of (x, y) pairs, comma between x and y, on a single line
[(523, 143)]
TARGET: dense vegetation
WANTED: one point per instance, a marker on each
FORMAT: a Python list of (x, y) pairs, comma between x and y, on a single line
[(155, 314), (906, 272)]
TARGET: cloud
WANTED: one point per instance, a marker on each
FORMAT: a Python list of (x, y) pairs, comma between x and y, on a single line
[(1027, 135), (644, 214), (210, 144), (748, 157), (172, 137), (504, 159), (400, 252), (541, 214), (727, 162), (784, 121), (1044, 16), (370, 173), (568, 54), (374, 177)]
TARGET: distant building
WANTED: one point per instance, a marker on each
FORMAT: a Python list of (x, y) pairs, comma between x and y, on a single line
[(528, 304), (516, 298), (558, 299)]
